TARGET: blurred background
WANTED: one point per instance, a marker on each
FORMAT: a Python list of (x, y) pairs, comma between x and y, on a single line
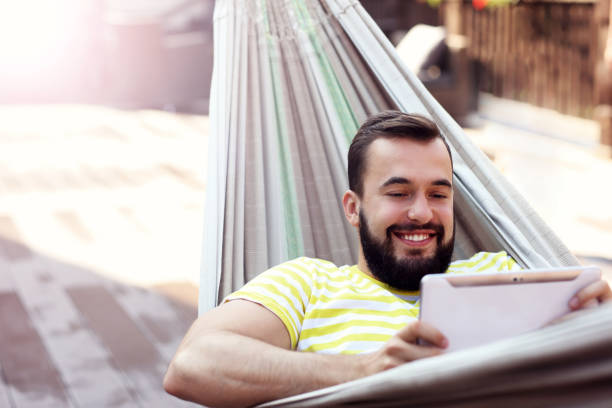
[(103, 147), (121, 53)]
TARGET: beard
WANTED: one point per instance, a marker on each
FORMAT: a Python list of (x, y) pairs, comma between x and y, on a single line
[(403, 274)]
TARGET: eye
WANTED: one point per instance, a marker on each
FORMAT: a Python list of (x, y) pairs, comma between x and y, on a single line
[(439, 195), (396, 194)]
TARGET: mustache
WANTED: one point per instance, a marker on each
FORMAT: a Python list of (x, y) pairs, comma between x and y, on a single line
[(438, 228)]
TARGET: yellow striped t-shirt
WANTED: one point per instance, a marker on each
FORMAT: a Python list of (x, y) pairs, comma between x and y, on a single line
[(330, 309)]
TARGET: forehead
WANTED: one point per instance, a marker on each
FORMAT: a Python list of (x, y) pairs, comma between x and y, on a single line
[(417, 161)]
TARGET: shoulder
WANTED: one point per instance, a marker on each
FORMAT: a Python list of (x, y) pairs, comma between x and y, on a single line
[(304, 266), (300, 272), (485, 262)]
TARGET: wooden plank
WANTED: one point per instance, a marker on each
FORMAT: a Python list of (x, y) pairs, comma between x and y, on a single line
[(549, 87), (490, 41), (522, 56), (588, 46), (545, 57), (540, 77), (496, 38), (592, 37), (129, 214), (475, 44), (488, 48), (601, 89), (484, 55), (574, 63), (529, 54), (95, 177), (42, 230), (471, 34), (84, 363), (7, 283), (534, 74), (68, 275), (11, 247), (132, 352), (163, 322), (97, 305), (29, 372), (11, 184), (481, 52), (71, 222), (504, 52), (564, 93), (186, 177), (5, 398), (575, 60), (508, 67), (557, 61), (519, 64), (560, 1)]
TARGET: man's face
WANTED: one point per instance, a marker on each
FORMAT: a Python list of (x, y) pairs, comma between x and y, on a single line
[(406, 223)]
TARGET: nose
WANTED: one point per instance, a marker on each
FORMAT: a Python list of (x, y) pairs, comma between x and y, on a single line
[(419, 210)]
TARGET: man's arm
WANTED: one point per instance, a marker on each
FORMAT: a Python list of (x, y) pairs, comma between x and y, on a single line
[(239, 355)]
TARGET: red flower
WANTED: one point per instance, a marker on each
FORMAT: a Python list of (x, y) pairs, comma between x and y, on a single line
[(479, 4)]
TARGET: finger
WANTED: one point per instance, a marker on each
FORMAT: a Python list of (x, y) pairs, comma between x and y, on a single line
[(590, 304), (597, 291), (401, 352), (415, 352), (421, 330)]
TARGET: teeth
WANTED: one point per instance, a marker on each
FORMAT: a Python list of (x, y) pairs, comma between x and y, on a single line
[(415, 237)]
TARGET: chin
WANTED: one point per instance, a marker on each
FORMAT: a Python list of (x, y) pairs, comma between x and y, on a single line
[(416, 254)]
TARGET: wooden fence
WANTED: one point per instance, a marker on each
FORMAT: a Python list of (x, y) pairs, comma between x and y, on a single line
[(541, 52)]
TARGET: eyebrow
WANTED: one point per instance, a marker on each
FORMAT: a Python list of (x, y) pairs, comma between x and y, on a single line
[(403, 180)]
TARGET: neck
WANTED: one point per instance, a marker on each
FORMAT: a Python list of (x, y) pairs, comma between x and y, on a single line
[(363, 265)]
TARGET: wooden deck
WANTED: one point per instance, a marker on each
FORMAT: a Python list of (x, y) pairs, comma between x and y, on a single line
[(100, 228)]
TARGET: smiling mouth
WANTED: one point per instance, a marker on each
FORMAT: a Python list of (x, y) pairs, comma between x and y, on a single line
[(416, 238)]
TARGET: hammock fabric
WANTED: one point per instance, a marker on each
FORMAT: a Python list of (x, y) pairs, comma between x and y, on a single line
[(292, 81), (564, 365)]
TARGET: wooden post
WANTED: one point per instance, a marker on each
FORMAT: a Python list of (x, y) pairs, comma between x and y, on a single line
[(603, 73), (452, 17)]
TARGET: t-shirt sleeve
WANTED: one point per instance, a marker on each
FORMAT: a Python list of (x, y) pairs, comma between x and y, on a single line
[(486, 262), (512, 265), (285, 290)]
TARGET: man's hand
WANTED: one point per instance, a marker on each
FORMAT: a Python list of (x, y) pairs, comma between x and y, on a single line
[(591, 295), (403, 348)]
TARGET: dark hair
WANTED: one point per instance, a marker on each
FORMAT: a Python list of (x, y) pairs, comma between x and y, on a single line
[(389, 124)]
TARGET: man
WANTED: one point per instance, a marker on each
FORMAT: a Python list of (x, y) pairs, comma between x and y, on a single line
[(355, 320)]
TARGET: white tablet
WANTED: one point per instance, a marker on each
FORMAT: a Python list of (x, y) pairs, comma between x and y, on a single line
[(476, 308)]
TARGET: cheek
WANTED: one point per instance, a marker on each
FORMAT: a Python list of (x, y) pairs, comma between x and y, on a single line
[(379, 213), (445, 215), (386, 214)]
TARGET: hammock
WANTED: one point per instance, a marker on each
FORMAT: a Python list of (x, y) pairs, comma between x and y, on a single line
[(292, 81)]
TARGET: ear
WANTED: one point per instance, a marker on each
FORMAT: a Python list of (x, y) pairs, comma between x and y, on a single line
[(351, 204)]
